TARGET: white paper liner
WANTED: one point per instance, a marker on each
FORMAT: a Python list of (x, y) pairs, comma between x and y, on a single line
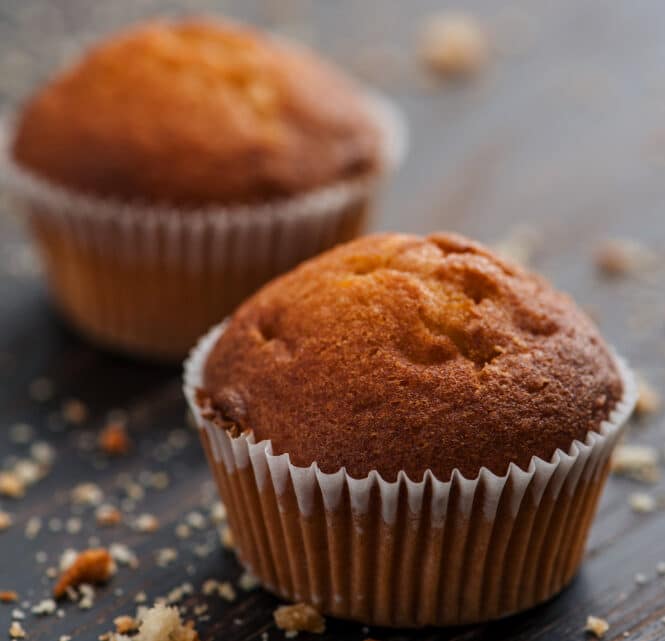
[(149, 280), (483, 547), (239, 452)]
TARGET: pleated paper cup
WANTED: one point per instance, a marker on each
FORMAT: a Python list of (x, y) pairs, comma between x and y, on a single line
[(150, 280), (408, 553)]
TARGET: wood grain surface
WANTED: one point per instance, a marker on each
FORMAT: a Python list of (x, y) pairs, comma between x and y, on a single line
[(560, 139)]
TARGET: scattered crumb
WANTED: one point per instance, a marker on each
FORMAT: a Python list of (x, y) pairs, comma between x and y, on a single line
[(641, 578), (33, 527), (73, 525), (90, 566), (146, 523), (8, 596), (67, 559), (519, 244), (124, 624), (16, 631), (161, 622), (620, 257), (141, 597), (45, 607), (639, 462), (5, 520), (226, 591), (247, 582), (87, 494), (183, 531), (641, 502), (65, 637), (42, 452), (596, 626), (196, 520), (113, 439), (17, 614), (454, 45), (226, 537), (74, 411), (123, 555), (11, 485), (108, 515), (649, 400), (218, 513), (87, 596), (300, 617), (660, 568), (166, 556), (21, 433)]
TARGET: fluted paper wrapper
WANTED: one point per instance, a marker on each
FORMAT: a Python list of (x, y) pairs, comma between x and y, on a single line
[(151, 280), (408, 553)]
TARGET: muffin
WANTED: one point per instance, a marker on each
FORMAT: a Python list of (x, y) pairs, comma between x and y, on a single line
[(409, 431), (179, 165)]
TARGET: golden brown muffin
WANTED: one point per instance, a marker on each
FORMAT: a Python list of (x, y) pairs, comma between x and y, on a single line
[(395, 352), (197, 113)]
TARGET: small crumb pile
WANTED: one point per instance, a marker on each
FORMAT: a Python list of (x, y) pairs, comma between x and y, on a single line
[(159, 623), (621, 257), (454, 45), (639, 462), (114, 440), (300, 617)]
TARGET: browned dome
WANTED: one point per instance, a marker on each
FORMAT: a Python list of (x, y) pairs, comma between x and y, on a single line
[(196, 113), (396, 352)]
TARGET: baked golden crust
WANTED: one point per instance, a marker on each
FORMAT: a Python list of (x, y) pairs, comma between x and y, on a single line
[(196, 113), (395, 352)]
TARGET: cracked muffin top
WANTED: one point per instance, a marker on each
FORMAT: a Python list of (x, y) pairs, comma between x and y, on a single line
[(396, 352), (196, 113)]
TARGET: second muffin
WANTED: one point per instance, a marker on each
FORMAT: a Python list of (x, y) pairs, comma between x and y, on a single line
[(410, 431), (180, 165)]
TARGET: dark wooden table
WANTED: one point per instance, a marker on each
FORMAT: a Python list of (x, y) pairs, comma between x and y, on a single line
[(563, 133)]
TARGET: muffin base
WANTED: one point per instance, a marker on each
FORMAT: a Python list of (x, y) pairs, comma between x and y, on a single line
[(149, 280), (409, 554)]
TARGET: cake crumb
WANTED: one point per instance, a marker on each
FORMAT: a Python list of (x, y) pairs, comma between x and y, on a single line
[(114, 440), (596, 626), (16, 630), (248, 582), (642, 502), (11, 485), (45, 607), (74, 411), (649, 400), (91, 566), (123, 555), (87, 494), (300, 617), (162, 622), (124, 624), (641, 578), (108, 515), (639, 462), (454, 45), (5, 520), (8, 596), (617, 257), (146, 523)]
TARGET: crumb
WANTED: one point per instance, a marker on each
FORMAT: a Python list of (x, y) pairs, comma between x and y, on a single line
[(641, 502), (196, 520), (87, 596), (140, 597), (123, 555), (74, 411), (519, 244), (16, 631), (64, 637), (108, 515), (166, 556), (183, 531), (33, 527), (226, 537), (660, 568), (248, 581), (90, 566), (5, 520), (21, 433), (124, 624), (596, 626), (8, 596), (17, 614), (161, 622), (42, 452), (45, 607), (159, 480), (300, 617), (113, 439), (226, 591), (87, 494), (146, 523), (641, 578), (454, 45), (620, 257), (218, 513), (649, 399), (639, 462), (73, 525), (11, 485)]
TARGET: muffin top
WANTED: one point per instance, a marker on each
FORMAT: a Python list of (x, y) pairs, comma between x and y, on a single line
[(396, 352), (197, 113)]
